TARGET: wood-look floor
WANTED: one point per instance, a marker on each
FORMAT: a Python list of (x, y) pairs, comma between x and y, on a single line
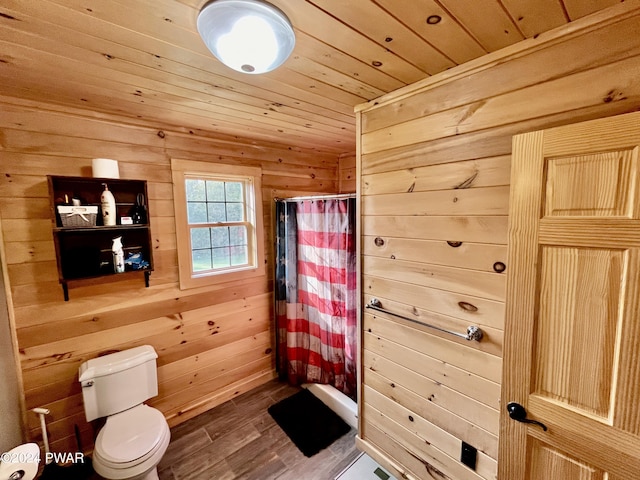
[(240, 440)]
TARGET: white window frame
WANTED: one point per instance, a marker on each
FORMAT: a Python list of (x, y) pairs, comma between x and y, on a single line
[(251, 178)]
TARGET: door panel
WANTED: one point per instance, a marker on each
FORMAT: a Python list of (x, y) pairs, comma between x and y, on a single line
[(577, 323), (591, 185), (548, 463), (572, 336)]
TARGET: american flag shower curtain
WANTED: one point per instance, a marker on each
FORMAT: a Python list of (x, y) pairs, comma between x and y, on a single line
[(315, 290)]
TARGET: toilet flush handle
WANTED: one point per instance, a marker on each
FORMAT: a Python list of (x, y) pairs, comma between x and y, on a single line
[(88, 384)]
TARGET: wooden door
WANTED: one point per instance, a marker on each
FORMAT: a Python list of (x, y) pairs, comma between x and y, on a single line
[(572, 334)]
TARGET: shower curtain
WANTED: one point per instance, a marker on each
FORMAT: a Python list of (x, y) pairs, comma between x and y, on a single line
[(315, 292)]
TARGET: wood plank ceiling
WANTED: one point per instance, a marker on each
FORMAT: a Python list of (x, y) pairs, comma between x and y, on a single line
[(143, 59)]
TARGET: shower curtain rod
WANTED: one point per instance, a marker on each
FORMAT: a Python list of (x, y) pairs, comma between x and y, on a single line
[(315, 197)]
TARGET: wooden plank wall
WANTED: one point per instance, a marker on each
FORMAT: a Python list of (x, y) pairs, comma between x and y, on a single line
[(213, 343), (347, 173), (434, 168)]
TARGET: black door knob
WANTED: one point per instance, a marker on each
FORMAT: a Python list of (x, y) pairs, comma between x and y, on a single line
[(519, 414)]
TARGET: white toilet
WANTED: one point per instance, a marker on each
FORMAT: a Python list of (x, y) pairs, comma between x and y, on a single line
[(135, 436)]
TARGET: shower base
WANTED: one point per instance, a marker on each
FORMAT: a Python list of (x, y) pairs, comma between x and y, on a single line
[(336, 401)]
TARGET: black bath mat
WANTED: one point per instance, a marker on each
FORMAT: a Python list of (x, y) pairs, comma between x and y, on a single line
[(308, 422)]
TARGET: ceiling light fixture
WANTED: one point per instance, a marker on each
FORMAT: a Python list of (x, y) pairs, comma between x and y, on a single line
[(250, 36)]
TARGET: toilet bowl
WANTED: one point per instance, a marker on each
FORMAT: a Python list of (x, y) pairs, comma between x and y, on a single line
[(135, 436), (131, 444)]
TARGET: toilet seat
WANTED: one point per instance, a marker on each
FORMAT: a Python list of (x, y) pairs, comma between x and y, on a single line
[(131, 442)]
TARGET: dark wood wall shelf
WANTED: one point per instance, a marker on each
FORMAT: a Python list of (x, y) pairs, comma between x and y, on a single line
[(84, 252)]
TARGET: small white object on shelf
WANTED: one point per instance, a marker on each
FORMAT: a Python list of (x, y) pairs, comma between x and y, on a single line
[(118, 255), (105, 168), (108, 207)]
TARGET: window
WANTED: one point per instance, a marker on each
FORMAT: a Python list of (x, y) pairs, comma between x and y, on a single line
[(218, 222), (217, 216)]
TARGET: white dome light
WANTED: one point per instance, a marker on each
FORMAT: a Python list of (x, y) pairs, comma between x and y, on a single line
[(249, 36)]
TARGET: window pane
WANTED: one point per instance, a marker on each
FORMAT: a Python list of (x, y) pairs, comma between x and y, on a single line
[(221, 257), (215, 191), (220, 236), (216, 212), (200, 238), (201, 260), (219, 225), (235, 212), (234, 191), (195, 190), (239, 255), (196, 212), (238, 235)]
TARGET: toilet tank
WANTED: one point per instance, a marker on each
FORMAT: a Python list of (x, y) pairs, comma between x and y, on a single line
[(118, 381)]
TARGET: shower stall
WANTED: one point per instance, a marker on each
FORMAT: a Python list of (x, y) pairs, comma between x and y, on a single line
[(316, 298)]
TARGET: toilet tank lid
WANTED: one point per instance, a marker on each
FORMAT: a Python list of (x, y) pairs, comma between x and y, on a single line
[(116, 362)]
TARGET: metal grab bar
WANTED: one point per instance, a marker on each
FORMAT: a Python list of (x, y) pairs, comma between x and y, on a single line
[(473, 332)]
